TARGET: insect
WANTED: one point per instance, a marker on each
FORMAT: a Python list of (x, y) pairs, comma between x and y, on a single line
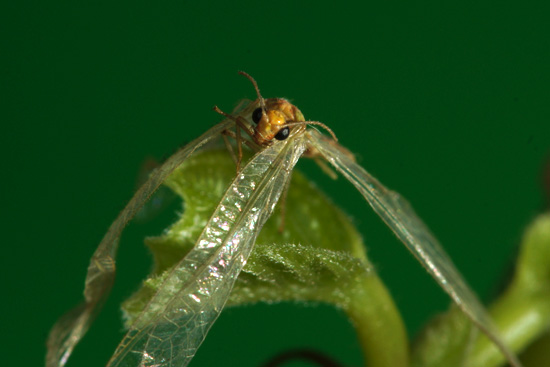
[(176, 320)]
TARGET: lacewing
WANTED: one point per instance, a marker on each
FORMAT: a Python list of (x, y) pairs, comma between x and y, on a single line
[(174, 323)]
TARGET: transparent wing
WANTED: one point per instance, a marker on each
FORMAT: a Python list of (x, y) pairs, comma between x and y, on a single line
[(70, 328), (175, 322), (400, 217), (160, 199)]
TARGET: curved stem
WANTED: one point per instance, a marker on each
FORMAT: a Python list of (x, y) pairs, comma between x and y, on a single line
[(378, 324), (522, 313)]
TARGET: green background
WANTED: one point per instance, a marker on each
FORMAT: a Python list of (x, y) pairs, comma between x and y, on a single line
[(447, 104)]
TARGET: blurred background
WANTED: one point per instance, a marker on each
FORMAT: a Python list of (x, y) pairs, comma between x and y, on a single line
[(446, 104)]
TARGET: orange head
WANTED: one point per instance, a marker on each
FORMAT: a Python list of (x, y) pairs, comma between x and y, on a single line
[(271, 122)]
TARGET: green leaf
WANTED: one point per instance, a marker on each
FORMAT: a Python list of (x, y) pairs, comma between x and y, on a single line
[(319, 256), (316, 247)]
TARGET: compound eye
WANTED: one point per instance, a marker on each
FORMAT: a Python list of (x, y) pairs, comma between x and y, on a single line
[(283, 134), (257, 115)]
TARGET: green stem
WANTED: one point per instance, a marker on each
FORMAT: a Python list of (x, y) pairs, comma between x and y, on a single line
[(522, 313), (521, 317), (378, 324)]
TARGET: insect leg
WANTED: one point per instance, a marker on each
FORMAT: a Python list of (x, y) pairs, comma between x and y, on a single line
[(239, 120), (325, 168), (229, 147), (240, 123), (254, 147)]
